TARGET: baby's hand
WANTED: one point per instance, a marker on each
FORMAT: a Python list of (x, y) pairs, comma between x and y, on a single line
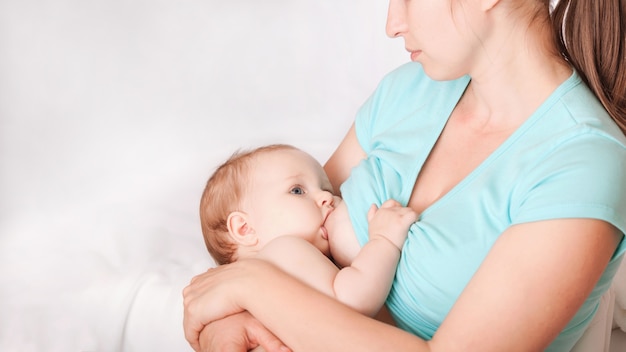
[(391, 221)]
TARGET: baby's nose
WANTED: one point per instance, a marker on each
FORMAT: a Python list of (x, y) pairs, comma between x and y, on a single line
[(327, 199)]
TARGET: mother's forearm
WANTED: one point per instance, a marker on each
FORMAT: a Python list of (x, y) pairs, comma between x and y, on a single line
[(306, 320)]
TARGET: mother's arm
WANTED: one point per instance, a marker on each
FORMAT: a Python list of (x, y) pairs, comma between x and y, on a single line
[(309, 319), (530, 285), (346, 156)]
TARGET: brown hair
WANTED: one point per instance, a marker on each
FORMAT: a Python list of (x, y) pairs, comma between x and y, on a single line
[(222, 195), (591, 35)]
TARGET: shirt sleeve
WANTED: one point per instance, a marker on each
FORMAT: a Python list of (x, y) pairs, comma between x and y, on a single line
[(581, 176)]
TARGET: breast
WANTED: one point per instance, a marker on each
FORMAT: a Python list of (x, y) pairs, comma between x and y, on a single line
[(344, 246)]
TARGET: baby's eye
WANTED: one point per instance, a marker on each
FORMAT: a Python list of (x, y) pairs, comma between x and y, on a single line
[(296, 190)]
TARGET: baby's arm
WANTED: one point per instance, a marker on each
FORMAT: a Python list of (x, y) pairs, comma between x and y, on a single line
[(365, 284)]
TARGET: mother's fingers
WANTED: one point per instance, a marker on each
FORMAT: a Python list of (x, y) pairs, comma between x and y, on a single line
[(197, 277), (192, 325), (390, 203), (239, 333), (214, 295), (192, 336), (193, 319)]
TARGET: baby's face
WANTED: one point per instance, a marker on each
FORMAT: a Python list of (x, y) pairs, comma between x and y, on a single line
[(289, 195)]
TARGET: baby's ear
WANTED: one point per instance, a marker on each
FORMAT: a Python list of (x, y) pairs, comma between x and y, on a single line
[(240, 230)]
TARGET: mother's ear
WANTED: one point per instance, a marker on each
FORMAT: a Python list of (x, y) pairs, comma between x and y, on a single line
[(240, 231)]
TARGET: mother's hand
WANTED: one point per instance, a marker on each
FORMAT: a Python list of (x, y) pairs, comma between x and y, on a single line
[(219, 293), (240, 332)]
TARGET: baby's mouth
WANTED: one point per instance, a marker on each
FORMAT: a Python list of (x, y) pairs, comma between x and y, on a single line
[(323, 227)]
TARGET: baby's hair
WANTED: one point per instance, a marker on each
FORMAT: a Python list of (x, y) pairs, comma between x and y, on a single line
[(222, 195)]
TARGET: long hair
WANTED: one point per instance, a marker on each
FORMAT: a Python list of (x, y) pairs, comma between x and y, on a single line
[(591, 35)]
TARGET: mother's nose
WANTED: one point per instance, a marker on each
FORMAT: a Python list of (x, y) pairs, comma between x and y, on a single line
[(396, 19)]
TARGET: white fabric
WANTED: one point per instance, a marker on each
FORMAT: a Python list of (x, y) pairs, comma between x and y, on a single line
[(113, 114), (619, 288), (597, 337)]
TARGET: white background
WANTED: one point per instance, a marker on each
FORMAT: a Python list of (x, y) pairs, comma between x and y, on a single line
[(113, 114)]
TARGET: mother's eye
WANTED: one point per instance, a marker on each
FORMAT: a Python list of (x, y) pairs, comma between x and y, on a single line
[(296, 190)]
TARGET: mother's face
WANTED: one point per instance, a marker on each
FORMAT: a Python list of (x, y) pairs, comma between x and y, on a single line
[(443, 35)]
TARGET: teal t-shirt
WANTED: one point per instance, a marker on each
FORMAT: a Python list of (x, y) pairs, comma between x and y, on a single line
[(568, 160)]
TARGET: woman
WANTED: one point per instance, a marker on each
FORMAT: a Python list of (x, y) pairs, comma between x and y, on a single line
[(508, 140)]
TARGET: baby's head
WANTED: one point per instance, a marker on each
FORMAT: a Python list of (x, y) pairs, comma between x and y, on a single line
[(258, 195)]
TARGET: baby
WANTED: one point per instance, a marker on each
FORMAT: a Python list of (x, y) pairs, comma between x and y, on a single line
[(276, 203)]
